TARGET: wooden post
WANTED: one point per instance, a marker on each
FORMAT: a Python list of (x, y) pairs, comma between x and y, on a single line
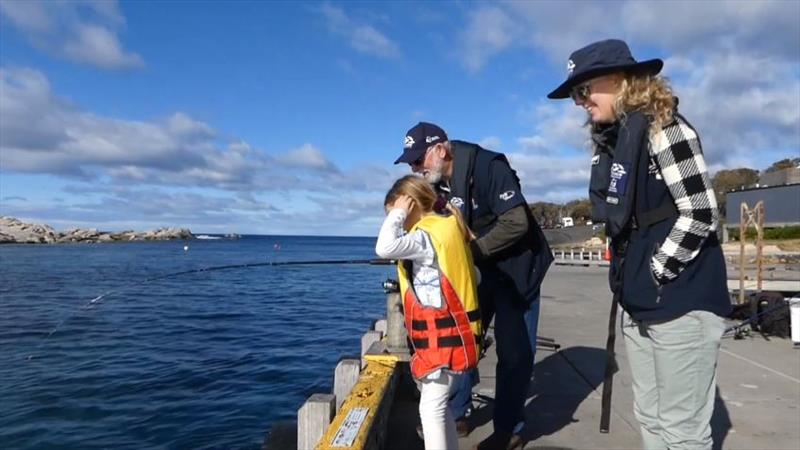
[(344, 378), (759, 242), (749, 216), (743, 222), (380, 325), (369, 338), (313, 419), (396, 333)]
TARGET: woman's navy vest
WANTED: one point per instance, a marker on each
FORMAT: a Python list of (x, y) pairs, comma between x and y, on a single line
[(639, 212)]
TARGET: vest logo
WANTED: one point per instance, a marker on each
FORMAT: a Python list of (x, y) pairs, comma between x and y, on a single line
[(474, 205), (619, 178), (570, 67), (595, 160), (458, 202), (507, 195), (409, 142)]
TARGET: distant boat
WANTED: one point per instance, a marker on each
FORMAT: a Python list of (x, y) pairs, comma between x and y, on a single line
[(207, 237)]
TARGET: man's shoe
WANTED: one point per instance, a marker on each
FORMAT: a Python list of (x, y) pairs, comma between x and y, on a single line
[(515, 443), (498, 440), (462, 427)]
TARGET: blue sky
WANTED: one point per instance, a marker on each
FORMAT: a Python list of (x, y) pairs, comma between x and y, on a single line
[(285, 117)]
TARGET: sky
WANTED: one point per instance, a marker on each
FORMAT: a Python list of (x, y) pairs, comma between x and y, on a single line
[(259, 117)]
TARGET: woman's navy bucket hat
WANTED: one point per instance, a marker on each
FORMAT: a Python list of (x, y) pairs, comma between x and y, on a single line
[(600, 58)]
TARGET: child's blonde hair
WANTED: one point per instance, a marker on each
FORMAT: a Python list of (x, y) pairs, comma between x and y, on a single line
[(424, 197)]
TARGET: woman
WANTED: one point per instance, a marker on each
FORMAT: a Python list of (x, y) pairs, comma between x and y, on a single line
[(440, 301), (650, 185)]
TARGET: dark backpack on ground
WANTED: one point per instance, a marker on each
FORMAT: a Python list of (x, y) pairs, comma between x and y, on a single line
[(771, 314)]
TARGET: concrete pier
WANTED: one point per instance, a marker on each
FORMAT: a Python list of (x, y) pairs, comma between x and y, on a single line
[(758, 395)]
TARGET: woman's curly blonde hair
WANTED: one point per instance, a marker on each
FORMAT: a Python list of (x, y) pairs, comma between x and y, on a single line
[(650, 94)]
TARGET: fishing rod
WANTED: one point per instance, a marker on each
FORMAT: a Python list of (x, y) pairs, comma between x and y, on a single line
[(374, 262), (753, 319)]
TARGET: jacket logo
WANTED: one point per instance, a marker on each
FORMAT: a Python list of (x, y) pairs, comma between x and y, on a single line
[(458, 202), (409, 142), (619, 178), (595, 160), (507, 195)]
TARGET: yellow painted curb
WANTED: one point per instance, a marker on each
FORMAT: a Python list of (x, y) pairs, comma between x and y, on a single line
[(374, 383)]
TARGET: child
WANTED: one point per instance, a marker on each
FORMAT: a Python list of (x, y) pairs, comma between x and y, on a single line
[(440, 301)]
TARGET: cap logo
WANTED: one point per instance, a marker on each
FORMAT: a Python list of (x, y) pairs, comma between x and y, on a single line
[(409, 142), (570, 67), (430, 139)]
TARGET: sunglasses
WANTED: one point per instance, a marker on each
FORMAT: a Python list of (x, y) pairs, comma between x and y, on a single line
[(581, 92), (421, 159)]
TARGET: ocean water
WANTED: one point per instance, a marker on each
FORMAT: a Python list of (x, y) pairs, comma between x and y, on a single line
[(203, 360)]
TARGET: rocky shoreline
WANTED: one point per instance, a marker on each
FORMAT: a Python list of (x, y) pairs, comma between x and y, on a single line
[(15, 231)]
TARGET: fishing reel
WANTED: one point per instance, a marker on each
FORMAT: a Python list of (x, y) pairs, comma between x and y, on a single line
[(390, 286)]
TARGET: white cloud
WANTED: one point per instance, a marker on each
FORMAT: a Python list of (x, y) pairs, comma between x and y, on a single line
[(308, 157), (362, 37), (81, 31), (489, 30), (735, 66), (176, 150), (174, 171), (553, 161), (491, 143)]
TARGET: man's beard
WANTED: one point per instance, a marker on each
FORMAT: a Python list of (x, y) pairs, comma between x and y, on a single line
[(434, 175)]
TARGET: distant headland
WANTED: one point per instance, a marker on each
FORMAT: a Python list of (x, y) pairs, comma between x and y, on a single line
[(15, 231)]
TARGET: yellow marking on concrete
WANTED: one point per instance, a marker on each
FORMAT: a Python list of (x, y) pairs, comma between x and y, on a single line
[(386, 359), (368, 392)]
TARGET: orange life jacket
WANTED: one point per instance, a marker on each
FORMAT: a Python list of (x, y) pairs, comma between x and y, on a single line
[(446, 337)]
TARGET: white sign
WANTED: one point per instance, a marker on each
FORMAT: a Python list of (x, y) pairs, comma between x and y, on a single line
[(348, 430)]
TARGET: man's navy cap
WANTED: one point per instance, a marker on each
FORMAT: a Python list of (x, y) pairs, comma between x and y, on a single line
[(418, 139), (601, 58)]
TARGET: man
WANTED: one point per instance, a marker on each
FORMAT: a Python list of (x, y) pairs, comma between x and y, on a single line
[(510, 251)]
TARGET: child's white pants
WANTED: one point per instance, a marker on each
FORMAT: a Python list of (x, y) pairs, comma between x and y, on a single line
[(438, 424)]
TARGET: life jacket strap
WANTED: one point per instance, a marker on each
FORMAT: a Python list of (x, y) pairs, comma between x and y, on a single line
[(445, 322), (443, 341)]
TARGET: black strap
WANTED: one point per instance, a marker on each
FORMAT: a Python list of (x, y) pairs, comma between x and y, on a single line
[(446, 322), (443, 341), (611, 365), (652, 217)]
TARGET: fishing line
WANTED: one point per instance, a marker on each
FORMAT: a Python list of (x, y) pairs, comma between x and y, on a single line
[(124, 287)]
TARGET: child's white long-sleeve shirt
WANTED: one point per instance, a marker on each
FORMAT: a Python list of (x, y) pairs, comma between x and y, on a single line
[(395, 243)]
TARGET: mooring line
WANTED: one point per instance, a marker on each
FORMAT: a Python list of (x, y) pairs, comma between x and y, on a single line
[(203, 270)]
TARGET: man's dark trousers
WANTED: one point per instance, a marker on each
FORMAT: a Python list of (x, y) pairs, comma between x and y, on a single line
[(512, 345)]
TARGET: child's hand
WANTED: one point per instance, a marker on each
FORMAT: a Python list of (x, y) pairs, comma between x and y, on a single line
[(405, 203)]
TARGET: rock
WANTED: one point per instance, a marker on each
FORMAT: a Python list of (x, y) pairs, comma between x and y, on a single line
[(26, 233), (13, 230)]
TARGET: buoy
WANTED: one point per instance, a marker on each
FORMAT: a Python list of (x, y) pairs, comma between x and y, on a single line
[(186, 248)]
